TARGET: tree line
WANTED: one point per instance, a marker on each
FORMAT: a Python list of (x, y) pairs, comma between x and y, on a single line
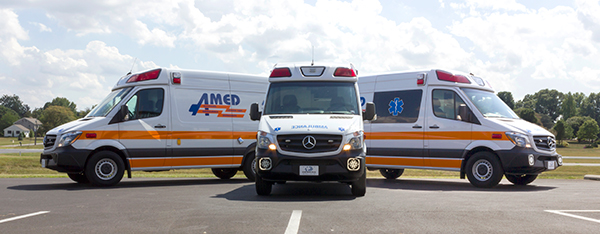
[(54, 113), (568, 116)]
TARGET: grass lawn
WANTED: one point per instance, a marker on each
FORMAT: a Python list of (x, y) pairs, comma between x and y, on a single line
[(11, 142), (27, 165)]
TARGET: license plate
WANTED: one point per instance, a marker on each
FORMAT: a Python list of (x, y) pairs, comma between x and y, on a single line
[(551, 165), (43, 163), (309, 170)]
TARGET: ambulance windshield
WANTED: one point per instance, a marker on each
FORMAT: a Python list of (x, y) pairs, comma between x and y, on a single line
[(109, 103), (490, 105), (312, 98)]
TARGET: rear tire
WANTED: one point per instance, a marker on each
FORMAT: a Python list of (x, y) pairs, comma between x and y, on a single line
[(521, 179), (359, 187), (484, 170), (263, 188), (104, 168), (79, 178), (249, 166), (391, 174), (224, 173)]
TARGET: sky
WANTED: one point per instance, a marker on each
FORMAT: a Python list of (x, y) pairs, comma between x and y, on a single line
[(79, 49)]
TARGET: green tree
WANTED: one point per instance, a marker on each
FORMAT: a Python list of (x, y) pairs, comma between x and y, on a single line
[(527, 114), (54, 116), (83, 113), (545, 121), (527, 102), (589, 130), (559, 127), (591, 107), (61, 101), (507, 97), (548, 102), (568, 132), (7, 117), (569, 107), (14, 103), (575, 122)]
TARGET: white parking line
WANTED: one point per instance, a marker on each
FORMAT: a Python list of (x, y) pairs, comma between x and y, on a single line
[(294, 223), (566, 213), (23, 216)]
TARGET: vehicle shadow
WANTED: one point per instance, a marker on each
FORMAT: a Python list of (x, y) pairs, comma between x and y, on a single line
[(449, 185), (293, 192), (128, 183)]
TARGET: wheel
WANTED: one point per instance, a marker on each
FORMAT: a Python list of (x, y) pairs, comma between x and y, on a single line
[(78, 177), (249, 166), (521, 179), (224, 173), (359, 187), (484, 170), (104, 168), (263, 188), (391, 174)]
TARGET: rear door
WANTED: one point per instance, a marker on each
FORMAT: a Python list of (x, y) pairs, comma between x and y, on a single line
[(145, 132)]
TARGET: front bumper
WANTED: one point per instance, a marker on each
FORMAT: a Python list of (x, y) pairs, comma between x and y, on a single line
[(330, 168), (65, 159), (516, 161)]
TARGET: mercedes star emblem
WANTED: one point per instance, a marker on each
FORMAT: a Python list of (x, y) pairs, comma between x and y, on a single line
[(309, 142)]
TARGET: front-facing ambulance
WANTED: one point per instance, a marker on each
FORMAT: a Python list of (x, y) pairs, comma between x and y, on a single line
[(311, 127)]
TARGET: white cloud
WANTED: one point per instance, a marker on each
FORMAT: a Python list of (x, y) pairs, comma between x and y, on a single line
[(43, 28)]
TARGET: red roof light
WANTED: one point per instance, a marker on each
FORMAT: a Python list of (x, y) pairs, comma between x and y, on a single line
[(281, 72), (446, 76), (344, 72), (149, 75)]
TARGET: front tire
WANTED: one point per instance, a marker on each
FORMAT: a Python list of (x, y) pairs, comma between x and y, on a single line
[(224, 173), (359, 187), (484, 170), (249, 166), (391, 174), (521, 179), (263, 188), (105, 168), (79, 178)]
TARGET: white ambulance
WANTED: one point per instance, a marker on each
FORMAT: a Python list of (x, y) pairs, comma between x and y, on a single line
[(311, 127), (158, 120), (453, 121)]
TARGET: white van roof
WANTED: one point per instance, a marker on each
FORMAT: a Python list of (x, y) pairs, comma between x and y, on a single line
[(437, 77), (313, 72)]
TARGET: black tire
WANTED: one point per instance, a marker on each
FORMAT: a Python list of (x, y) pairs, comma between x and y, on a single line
[(521, 179), (249, 166), (224, 173), (484, 170), (391, 174), (263, 188), (104, 168), (359, 187), (78, 177)]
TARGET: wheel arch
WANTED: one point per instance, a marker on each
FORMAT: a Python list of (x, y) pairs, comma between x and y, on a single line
[(251, 148), (122, 154), (470, 153)]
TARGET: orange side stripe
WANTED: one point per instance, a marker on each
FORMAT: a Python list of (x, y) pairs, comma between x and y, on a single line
[(146, 135), (415, 162), (175, 162), (150, 162), (432, 135), (443, 163)]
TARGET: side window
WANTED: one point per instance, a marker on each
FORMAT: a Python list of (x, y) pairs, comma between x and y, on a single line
[(145, 104), (397, 106), (446, 103)]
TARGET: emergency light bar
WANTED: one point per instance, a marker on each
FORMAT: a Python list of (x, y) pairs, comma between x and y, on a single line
[(149, 75), (281, 72), (446, 76), (344, 72)]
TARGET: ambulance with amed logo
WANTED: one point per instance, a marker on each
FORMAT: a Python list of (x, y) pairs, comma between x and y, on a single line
[(159, 120), (311, 127), (451, 121)]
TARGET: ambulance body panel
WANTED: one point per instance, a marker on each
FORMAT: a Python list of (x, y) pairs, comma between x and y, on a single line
[(419, 125), (159, 120)]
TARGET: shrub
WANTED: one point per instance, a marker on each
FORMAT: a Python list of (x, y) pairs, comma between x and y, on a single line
[(563, 144)]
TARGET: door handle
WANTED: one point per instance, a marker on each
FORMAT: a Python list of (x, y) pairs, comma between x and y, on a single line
[(160, 126), (434, 126), (417, 126)]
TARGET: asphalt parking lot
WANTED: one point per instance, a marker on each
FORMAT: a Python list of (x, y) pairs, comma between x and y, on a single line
[(151, 205)]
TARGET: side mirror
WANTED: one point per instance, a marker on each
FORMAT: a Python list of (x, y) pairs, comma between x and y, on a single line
[(254, 113), (124, 113), (369, 113), (463, 112)]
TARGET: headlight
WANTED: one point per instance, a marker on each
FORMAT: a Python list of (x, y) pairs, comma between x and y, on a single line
[(519, 139), (355, 142), (68, 138), (264, 140)]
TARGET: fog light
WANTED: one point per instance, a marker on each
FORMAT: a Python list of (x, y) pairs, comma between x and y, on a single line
[(265, 164), (272, 147), (353, 164), (559, 159), (531, 160), (347, 147)]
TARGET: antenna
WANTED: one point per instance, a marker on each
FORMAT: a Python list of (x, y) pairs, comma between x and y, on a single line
[(312, 63), (129, 73)]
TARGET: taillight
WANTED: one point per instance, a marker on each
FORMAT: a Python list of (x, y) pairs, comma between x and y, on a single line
[(176, 77), (281, 72), (344, 72), (446, 76), (150, 75)]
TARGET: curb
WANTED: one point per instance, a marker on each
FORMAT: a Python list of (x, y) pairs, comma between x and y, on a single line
[(591, 177)]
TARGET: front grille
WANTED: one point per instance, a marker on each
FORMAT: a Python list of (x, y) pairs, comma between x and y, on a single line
[(49, 141), (544, 142), (323, 143)]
